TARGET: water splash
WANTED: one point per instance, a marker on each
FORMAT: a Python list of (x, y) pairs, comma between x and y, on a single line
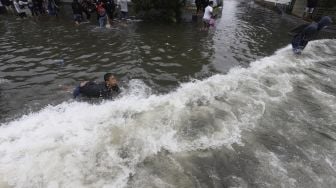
[(100, 145)]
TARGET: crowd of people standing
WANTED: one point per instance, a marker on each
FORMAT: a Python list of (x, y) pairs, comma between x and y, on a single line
[(104, 9), (24, 8)]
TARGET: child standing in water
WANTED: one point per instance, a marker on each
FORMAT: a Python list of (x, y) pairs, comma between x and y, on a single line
[(207, 16)]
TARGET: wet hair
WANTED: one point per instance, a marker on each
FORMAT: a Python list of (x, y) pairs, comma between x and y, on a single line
[(325, 21), (107, 76)]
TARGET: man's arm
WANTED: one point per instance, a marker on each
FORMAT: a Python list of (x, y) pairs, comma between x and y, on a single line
[(83, 83)]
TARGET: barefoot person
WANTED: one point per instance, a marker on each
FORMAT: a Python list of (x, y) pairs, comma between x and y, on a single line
[(308, 33)]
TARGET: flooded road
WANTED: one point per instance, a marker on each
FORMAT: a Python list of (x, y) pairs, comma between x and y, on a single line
[(231, 107), (160, 55)]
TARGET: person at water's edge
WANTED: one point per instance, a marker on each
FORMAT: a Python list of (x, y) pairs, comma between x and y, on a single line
[(123, 9), (77, 11), (307, 33), (110, 9), (101, 13), (208, 13), (107, 89)]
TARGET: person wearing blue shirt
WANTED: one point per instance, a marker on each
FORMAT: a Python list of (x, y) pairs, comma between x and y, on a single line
[(308, 33)]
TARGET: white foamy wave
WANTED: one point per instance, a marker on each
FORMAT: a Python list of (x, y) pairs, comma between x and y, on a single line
[(83, 145)]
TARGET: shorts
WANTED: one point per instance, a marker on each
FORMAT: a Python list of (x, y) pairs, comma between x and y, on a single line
[(309, 10)]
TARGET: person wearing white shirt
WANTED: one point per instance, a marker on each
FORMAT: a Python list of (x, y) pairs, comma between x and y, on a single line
[(123, 9), (207, 15)]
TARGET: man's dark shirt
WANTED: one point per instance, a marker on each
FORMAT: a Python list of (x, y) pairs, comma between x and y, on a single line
[(100, 90)]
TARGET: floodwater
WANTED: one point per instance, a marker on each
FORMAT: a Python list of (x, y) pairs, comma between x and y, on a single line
[(232, 107)]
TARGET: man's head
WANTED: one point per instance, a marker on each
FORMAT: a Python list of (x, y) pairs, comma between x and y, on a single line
[(324, 22), (110, 80), (211, 3)]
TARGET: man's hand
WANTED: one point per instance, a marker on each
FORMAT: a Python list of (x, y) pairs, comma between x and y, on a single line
[(83, 83)]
